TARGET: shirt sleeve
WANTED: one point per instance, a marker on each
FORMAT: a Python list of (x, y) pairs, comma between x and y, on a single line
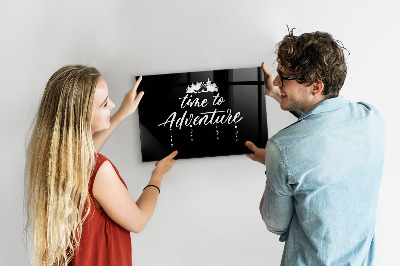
[(277, 209)]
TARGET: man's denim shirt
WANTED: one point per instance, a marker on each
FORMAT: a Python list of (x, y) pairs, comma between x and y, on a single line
[(323, 176)]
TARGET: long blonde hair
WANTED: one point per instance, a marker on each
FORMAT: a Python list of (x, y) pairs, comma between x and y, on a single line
[(59, 161)]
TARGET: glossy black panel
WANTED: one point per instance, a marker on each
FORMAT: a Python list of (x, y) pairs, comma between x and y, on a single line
[(205, 113)]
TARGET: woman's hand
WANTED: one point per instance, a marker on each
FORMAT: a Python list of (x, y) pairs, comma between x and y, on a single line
[(270, 89), (163, 166), (131, 101), (128, 107)]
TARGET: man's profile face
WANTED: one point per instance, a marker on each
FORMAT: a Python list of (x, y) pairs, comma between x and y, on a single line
[(294, 96)]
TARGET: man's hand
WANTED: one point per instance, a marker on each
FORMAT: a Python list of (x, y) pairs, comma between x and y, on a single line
[(270, 89), (258, 155)]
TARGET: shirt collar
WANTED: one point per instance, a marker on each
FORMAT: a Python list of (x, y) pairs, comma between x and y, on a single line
[(325, 106)]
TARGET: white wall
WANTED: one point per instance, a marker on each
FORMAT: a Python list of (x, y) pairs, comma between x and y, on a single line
[(208, 208)]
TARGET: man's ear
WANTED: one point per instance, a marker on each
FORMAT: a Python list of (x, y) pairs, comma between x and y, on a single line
[(317, 88)]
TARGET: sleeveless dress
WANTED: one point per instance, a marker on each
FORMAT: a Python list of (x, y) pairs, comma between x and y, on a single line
[(103, 241)]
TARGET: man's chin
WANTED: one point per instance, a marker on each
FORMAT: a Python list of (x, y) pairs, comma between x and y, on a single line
[(285, 108)]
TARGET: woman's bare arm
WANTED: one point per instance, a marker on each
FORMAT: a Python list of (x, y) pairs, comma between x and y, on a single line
[(114, 198)]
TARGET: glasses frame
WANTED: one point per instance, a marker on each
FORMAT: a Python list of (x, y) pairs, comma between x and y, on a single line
[(282, 78)]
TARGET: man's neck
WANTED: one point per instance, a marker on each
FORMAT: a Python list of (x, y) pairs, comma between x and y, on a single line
[(316, 100)]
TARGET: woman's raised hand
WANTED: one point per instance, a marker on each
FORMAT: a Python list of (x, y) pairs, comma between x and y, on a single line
[(131, 100)]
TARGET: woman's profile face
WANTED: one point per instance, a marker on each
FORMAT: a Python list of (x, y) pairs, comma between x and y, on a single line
[(102, 106)]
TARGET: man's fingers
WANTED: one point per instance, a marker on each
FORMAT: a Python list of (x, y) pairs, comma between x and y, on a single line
[(251, 156), (265, 69), (251, 146)]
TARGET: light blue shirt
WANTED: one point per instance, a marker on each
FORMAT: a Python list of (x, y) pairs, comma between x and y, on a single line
[(323, 176)]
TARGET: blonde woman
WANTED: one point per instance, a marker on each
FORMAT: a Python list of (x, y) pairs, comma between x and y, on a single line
[(79, 211)]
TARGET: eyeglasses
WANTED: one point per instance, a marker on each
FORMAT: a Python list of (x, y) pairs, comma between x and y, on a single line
[(282, 78)]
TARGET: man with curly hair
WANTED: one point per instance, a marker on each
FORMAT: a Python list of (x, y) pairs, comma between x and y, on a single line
[(323, 171)]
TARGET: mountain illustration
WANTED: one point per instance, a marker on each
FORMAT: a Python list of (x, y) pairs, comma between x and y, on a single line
[(200, 87)]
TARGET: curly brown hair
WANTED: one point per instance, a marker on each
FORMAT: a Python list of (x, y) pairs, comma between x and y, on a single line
[(314, 57)]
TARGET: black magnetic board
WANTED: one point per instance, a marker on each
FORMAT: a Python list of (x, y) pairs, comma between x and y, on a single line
[(204, 113)]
